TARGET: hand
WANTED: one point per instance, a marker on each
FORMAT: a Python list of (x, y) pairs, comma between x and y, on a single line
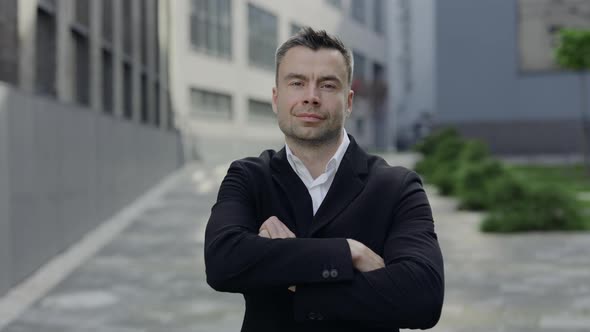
[(273, 228), (363, 258)]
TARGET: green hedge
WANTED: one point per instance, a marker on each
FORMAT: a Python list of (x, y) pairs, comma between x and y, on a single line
[(465, 168), (542, 208), (474, 181)]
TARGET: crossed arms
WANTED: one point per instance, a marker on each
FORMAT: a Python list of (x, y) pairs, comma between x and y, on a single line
[(363, 258), (404, 288)]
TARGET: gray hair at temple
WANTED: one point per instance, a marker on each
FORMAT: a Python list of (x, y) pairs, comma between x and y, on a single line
[(315, 40)]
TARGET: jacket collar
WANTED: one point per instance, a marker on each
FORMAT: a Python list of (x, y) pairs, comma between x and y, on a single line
[(348, 183)]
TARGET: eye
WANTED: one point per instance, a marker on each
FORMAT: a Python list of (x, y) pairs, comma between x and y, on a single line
[(328, 86), (296, 83)]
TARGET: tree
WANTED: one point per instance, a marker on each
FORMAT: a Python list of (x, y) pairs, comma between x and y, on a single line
[(573, 53)]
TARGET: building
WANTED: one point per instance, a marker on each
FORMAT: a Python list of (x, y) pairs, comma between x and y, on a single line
[(222, 67), (85, 120), (487, 68), (412, 73)]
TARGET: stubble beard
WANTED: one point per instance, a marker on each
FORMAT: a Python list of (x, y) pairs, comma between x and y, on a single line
[(327, 136)]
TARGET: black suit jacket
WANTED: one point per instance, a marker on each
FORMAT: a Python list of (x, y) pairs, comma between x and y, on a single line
[(381, 206)]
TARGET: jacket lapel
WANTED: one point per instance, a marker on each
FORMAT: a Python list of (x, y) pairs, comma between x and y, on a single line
[(348, 182), (293, 188)]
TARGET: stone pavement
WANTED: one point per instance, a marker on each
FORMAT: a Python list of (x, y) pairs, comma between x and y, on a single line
[(151, 276)]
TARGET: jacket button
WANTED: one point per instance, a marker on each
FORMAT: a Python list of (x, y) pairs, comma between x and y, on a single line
[(311, 316), (334, 273), (326, 274)]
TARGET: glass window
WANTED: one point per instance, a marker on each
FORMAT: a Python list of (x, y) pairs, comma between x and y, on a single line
[(127, 27), (9, 41), (210, 27), (169, 111), (260, 109), (82, 68), (143, 31), (107, 20), (127, 91), (359, 66), (107, 81), (48, 5), (378, 10), (45, 57), (156, 36), (210, 103), (335, 3), (357, 8), (262, 37), (157, 104), (82, 12), (144, 99)]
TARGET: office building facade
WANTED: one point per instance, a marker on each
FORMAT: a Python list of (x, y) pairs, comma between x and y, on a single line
[(222, 67), (86, 124)]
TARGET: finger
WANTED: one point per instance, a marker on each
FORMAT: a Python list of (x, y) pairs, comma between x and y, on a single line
[(266, 226), (276, 231), (264, 233), (270, 226), (286, 230), (267, 222)]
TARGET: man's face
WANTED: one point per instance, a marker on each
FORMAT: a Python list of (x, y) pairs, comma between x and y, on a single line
[(312, 97)]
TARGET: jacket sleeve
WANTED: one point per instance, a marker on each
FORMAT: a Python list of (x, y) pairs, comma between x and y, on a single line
[(407, 293), (238, 260)]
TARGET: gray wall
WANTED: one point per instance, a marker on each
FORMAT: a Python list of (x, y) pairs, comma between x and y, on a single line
[(69, 169), (5, 246), (478, 83), (411, 48)]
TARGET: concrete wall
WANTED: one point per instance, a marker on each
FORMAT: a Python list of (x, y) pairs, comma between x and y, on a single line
[(479, 83), (64, 170), (5, 238), (411, 49)]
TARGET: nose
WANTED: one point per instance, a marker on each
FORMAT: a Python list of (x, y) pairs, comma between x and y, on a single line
[(311, 97)]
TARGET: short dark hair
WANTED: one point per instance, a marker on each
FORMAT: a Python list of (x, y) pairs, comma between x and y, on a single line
[(314, 40)]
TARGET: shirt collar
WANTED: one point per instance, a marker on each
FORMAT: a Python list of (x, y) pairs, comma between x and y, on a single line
[(333, 163)]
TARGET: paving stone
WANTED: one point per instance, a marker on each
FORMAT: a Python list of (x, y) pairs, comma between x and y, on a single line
[(151, 278)]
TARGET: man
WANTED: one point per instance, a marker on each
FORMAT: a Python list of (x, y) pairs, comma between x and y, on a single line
[(321, 236)]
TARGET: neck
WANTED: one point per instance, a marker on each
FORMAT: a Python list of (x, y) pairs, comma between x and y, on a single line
[(314, 155)]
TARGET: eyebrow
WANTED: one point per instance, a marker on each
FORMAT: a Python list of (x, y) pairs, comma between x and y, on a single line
[(320, 79)]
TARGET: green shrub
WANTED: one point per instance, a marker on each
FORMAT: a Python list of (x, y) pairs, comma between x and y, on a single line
[(474, 151), (505, 190), (474, 180), (543, 208), (444, 165), (425, 166), (430, 143)]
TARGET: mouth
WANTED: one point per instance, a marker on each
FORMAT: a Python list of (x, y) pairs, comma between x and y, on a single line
[(310, 117)]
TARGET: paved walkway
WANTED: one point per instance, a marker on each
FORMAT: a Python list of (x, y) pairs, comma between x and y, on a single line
[(150, 277)]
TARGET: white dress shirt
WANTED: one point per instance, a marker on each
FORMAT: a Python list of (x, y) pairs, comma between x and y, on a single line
[(319, 187)]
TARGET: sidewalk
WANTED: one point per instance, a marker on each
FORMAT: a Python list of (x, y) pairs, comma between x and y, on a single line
[(150, 277)]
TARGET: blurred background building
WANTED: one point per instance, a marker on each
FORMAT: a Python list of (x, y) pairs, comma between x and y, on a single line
[(222, 69), (85, 120), (487, 68)]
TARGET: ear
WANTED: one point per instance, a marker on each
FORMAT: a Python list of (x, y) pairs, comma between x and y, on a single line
[(349, 101), (274, 100)]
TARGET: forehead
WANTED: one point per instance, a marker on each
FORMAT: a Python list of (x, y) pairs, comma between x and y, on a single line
[(306, 61)]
